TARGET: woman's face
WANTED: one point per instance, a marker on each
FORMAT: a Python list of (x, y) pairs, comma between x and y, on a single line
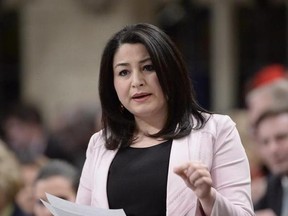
[(136, 82)]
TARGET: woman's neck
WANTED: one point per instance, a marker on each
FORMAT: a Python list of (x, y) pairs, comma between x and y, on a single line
[(144, 129), (150, 125), (146, 141)]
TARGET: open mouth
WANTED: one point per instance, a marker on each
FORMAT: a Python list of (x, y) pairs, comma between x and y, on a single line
[(140, 97)]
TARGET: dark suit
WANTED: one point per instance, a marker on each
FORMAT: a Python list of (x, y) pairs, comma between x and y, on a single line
[(273, 197), (17, 211)]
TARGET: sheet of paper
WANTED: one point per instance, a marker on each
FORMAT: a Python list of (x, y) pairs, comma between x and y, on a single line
[(48, 206), (61, 207)]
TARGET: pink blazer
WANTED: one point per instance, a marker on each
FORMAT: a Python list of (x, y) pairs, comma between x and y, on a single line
[(217, 145)]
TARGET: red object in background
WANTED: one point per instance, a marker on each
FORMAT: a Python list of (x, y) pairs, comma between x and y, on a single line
[(267, 75)]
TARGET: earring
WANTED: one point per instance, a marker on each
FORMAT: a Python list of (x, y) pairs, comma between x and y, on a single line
[(122, 108), (167, 98)]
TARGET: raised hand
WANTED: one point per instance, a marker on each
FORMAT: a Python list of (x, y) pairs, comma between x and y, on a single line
[(197, 177)]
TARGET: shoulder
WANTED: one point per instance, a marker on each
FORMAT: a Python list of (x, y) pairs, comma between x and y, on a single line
[(216, 123), (96, 141)]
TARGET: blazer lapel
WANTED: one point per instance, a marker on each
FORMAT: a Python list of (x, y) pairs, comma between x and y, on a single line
[(180, 198)]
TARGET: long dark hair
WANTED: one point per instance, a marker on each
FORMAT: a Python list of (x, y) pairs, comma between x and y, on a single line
[(119, 124)]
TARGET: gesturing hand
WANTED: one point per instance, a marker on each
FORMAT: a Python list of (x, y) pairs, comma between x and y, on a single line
[(197, 177)]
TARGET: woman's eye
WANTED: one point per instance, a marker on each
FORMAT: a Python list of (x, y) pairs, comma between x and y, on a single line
[(149, 68), (123, 73)]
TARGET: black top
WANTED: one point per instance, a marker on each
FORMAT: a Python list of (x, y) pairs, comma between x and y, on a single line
[(137, 180)]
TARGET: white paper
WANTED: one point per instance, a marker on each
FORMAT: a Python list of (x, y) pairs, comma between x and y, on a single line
[(61, 207), (48, 206)]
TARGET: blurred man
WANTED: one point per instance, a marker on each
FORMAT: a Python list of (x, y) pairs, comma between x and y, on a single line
[(58, 178), (25, 197), (271, 131), (26, 135), (268, 87)]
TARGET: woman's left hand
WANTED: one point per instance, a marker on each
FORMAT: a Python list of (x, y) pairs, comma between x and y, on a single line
[(197, 177)]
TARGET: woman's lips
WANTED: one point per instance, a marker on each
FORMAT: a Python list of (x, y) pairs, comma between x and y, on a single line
[(140, 97)]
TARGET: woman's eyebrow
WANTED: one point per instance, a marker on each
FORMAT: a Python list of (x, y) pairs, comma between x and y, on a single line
[(121, 64), (145, 59), (126, 64)]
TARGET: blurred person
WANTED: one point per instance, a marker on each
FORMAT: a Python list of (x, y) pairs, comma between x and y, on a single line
[(159, 152), (58, 178), (25, 196), (26, 134), (73, 129), (271, 130), (268, 89), (10, 182)]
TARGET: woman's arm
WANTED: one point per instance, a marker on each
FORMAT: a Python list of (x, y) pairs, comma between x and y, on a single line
[(84, 192), (224, 188), (230, 172)]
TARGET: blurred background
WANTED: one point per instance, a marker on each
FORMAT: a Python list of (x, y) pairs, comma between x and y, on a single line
[(50, 49), (50, 53)]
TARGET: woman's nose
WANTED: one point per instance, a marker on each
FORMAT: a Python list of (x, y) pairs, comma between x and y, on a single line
[(137, 79)]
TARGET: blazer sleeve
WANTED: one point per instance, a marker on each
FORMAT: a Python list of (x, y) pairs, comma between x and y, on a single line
[(84, 192), (230, 172)]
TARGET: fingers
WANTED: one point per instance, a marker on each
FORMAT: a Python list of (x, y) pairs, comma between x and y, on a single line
[(196, 176), (192, 171), (181, 170)]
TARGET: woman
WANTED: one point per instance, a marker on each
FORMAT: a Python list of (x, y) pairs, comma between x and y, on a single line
[(159, 152)]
